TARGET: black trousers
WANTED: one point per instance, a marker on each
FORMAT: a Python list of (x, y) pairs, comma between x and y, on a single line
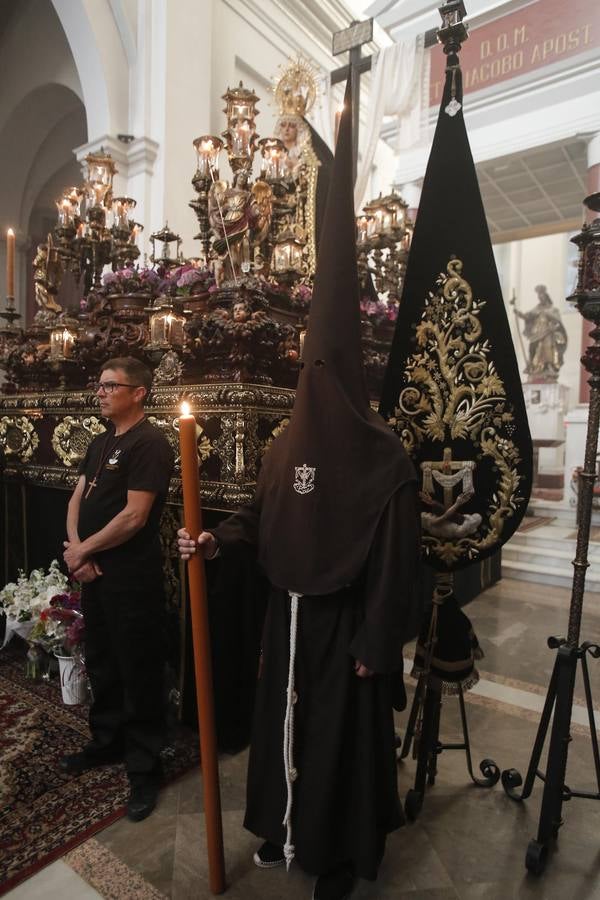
[(124, 658)]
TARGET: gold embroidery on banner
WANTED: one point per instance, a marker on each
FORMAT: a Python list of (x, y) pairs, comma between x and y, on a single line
[(452, 391)]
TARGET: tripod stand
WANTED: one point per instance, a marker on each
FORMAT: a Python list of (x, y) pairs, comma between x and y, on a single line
[(569, 651)]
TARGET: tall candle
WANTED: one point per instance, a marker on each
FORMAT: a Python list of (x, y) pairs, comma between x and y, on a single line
[(10, 263), (192, 515)]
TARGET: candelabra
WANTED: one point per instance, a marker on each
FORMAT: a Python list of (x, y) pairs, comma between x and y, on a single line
[(569, 650), (207, 149), (241, 224), (384, 235), (85, 243)]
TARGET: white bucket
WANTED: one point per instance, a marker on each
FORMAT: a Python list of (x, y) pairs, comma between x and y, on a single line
[(73, 682)]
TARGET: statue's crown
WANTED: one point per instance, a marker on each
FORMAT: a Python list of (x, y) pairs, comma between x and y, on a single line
[(296, 89)]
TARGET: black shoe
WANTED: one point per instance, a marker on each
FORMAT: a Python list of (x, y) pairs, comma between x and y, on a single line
[(78, 763), (268, 856), (142, 800), (335, 885)]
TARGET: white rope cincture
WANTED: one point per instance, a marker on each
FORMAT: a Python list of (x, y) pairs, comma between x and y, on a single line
[(288, 733)]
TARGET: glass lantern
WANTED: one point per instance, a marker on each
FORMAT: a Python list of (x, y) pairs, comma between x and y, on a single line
[(61, 343), (74, 195), (362, 227), (241, 139), (166, 326), (376, 211), (208, 148), (122, 207), (241, 106), (397, 207), (136, 230), (165, 237), (65, 212), (453, 12), (101, 169), (288, 262), (273, 154)]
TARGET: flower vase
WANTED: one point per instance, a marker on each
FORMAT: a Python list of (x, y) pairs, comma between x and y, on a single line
[(73, 682)]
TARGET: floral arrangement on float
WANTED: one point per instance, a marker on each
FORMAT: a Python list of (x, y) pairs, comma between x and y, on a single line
[(183, 280), (44, 608)]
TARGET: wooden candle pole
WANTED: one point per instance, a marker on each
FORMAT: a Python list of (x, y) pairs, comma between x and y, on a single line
[(192, 515)]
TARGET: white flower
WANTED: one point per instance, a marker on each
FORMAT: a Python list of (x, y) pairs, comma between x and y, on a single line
[(26, 598)]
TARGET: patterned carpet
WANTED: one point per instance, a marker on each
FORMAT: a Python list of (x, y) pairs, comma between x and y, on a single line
[(44, 813)]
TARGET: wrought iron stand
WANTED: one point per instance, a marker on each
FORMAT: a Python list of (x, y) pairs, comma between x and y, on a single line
[(423, 727), (428, 746), (569, 650)]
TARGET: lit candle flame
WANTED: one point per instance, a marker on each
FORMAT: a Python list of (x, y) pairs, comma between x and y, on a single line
[(185, 408)]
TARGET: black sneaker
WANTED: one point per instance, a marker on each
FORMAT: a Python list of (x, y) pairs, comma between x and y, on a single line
[(268, 856), (78, 763), (335, 885)]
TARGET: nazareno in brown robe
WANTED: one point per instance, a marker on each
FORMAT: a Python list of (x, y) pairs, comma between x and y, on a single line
[(345, 795)]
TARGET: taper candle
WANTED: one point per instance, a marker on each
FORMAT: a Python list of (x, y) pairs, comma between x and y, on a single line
[(192, 516), (10, 263)]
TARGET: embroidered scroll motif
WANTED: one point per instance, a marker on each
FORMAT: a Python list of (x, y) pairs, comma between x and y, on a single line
[(453, 395)]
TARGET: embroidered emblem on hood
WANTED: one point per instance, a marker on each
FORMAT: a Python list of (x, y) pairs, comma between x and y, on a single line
[(305, 479)]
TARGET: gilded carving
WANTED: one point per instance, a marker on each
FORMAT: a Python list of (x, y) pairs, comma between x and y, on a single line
[(18, 437), (276, 431), (72, 437), (234, 421), (170, 427)]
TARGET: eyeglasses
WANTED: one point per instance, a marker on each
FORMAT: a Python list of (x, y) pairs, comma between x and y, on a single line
[(107, 387)]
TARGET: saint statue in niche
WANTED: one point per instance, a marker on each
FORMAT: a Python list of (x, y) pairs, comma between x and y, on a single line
[(546, 335), (309, 159)]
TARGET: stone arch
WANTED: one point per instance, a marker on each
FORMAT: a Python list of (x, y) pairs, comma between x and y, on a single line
[(101, 62), (37, 141)]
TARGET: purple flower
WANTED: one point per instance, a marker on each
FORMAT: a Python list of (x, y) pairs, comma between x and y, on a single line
[(187, 279), (149, 276)]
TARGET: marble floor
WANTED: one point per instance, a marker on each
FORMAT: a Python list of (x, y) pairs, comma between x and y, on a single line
[(469, 843)]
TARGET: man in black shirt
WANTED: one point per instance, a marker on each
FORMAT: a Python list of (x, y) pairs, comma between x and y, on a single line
[(113, 548)]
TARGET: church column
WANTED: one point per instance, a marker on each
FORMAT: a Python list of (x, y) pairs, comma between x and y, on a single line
[(187, 95), (593, 186)]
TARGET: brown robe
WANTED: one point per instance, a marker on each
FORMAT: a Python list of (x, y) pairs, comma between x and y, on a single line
[(345, 796)]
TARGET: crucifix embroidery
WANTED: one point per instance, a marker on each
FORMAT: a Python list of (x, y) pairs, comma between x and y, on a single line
[(448, 473)]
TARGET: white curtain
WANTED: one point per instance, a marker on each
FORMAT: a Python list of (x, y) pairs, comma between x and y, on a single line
[(322, 114), (399, 87)]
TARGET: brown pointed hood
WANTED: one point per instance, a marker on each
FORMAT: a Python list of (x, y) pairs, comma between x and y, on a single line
[(327, 479)]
